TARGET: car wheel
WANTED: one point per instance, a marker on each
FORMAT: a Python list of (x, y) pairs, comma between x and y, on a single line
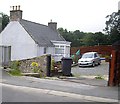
[(99, 63), (93, 64)]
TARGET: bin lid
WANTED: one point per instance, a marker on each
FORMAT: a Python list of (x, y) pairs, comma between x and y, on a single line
[(66, 58)]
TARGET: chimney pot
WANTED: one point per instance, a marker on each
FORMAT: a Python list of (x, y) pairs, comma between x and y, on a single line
[(16, 7), (13, 7)]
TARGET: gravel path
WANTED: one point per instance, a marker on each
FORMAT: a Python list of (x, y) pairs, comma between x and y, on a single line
[(102, 70)]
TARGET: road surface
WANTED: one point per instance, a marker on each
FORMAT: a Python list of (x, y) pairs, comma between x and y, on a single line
[(24, 89)]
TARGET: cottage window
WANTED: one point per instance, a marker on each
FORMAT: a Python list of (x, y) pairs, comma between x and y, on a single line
[(59, 49)]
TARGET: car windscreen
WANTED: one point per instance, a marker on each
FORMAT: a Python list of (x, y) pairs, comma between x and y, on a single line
[(87, 56)]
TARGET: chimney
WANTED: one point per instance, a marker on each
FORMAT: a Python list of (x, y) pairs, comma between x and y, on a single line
[(52, 25), (15, 13)]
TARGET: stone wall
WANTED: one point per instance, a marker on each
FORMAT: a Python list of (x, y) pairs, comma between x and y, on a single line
[(25, 66)]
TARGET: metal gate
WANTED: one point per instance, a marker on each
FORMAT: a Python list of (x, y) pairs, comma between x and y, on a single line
[(5, 55)]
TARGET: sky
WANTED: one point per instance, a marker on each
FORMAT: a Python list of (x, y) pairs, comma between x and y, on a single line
[(83, 15)]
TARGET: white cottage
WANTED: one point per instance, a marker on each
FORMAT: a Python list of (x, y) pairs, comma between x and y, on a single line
[(29, 39)]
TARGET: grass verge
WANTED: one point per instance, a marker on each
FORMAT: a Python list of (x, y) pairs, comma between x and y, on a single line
[(15, 72)]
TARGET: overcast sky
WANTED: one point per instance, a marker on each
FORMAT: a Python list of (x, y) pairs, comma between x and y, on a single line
[(83, 15)]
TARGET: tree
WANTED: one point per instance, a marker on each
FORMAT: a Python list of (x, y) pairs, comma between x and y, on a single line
[(5, 20), (88, 40), (75, 37), (113, 27), (100, 39), (84, 39)]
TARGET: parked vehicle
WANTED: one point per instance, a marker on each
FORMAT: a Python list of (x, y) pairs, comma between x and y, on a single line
[(89, 59)]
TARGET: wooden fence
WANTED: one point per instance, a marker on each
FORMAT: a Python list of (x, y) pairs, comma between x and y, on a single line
[(104, 50)]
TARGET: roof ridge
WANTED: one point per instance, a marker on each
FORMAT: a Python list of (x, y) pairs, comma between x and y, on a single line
[(41, 33), (34, 22)]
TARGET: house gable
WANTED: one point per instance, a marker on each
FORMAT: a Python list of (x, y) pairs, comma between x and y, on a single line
[(21, 43), (16, 34)]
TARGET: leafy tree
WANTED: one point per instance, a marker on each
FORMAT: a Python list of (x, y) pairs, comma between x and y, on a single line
[(5, 20), (84, 39), (100, 39), (88, 40), (113, 27), (74, 37)]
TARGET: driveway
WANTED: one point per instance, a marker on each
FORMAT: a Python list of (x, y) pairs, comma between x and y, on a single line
[(89, 75), (101, 70)]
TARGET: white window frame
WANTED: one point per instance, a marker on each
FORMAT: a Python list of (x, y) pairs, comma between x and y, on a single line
[(61, 49)]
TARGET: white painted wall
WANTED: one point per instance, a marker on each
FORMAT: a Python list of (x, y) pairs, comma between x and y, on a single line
[(0, 39), (40, 50), (67, 51), (1, 59), (51, 50), (22, 45)]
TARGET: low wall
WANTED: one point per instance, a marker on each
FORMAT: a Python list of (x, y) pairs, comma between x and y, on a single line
[(25, 66), (104, 50)]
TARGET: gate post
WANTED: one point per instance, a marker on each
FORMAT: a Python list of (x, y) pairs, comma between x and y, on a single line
[(112, 68), (114, 72), (48, 65)]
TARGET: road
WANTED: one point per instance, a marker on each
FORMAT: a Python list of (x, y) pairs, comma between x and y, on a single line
[(24, 89), (16, 89), (12, 93)]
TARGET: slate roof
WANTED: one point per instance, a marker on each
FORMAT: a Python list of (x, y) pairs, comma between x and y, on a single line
[(41, 34)]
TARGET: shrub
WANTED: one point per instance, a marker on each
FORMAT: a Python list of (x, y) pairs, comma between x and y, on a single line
[(107, 58), (14, 65), (52, 64), (15, 68), (35, 67), (15, 72), (75, 59), (34, 64), (99, 77)]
